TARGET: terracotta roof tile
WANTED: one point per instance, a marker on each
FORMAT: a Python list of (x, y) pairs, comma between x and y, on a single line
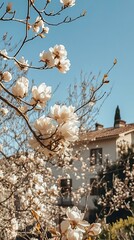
[(106, 133)]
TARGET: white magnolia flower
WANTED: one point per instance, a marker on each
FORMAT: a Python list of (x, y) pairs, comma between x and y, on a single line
[(4, 111), (20, 89), (94, 229), (64, 65), (48, 58), (59, 51), (38, 24), (60, 55), (62, 114), (44, 126), (75, 217), (68, 131), (22, 64), (6, 76), (41, 94), (4, 54), (68, 3), (45, 30), (56, 57)]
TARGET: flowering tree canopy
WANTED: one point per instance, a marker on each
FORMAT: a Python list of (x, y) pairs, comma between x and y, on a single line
[(32, 138)]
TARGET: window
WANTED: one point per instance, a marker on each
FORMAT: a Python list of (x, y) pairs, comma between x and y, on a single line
[(96, 156)]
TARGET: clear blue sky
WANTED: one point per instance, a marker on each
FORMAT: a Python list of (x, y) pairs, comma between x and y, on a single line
[(92, 42)]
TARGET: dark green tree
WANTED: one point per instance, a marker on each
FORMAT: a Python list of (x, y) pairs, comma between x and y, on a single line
[(117, 116)]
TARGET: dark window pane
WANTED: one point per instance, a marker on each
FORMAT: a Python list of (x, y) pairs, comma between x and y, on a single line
[(95, 156)]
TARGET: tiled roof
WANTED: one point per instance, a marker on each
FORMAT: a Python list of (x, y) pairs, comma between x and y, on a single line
[(107, 133)]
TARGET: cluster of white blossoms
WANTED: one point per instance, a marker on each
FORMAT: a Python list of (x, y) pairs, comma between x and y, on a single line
[(56, 57), (74, 227), (34, 189), (57, 131), (20, 89), (40, 94)]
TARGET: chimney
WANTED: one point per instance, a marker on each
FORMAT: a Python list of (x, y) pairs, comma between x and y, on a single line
[(98, 126), (120, 123)]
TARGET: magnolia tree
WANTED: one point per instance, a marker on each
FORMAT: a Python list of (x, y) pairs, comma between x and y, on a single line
[(31, 142)]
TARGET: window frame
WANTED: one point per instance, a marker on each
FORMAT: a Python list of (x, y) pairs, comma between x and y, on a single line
[(97, 159)]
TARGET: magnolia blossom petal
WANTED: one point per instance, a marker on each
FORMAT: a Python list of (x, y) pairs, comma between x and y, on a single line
[(64, 226), (64, 65), (68, 3), (48, 58), (38, 24), (44, 125), (4, 54), (74, 214), (59, 51), (69, 131), (74, 234), (45, 30)]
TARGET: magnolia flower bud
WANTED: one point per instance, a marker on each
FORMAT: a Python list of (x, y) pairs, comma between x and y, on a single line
[(9, 7), (1, 147), (3, 53), (6, 76), (4, 111)]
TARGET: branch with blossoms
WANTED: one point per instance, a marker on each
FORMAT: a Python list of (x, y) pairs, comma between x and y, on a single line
[(38, 26)]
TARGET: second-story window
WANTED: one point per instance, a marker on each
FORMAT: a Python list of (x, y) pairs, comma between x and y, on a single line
[(96, 156)]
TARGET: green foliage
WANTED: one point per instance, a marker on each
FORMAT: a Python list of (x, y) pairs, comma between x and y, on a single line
[(120, 230)]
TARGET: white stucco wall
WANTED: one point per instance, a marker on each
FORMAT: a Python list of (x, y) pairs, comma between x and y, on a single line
[(108, 149), (129, 138)]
